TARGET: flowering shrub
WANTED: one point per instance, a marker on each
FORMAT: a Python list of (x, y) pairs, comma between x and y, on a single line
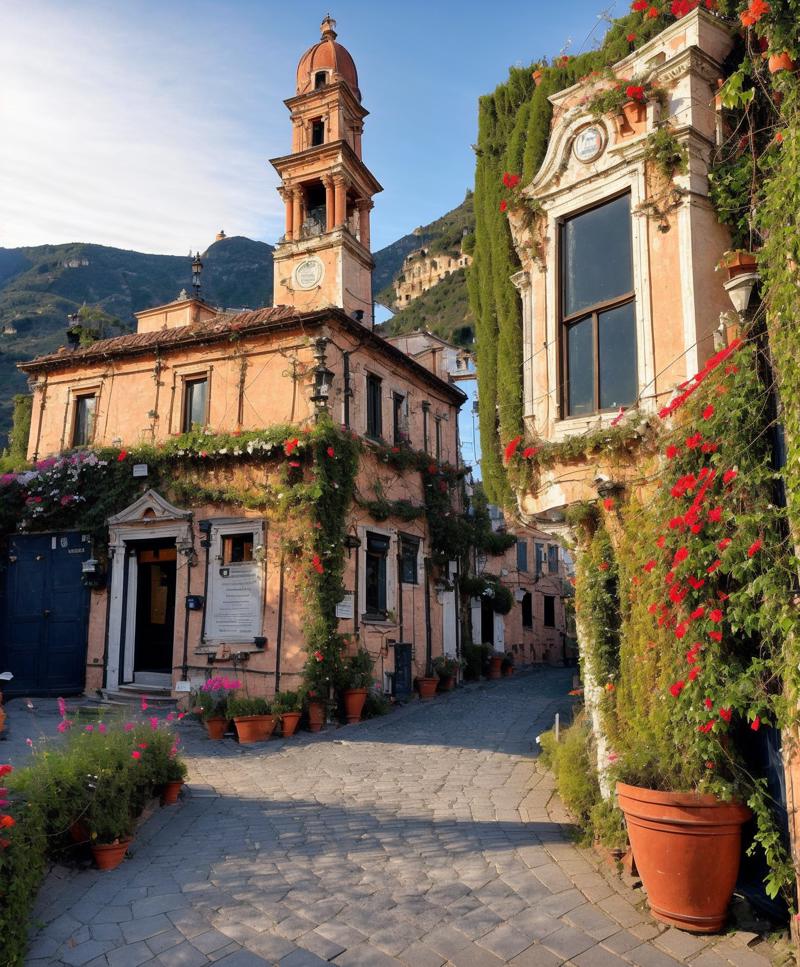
[(213, 696)]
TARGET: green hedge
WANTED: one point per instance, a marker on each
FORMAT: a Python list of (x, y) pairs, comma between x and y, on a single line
[(22, 863)]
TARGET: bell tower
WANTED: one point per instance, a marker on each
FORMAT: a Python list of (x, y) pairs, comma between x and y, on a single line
[(324, 257)]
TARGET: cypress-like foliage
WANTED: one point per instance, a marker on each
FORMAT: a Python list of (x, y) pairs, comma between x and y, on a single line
[(513, 132)]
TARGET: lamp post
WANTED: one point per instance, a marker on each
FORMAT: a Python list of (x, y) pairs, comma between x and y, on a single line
[(323, 377), (197, 269)]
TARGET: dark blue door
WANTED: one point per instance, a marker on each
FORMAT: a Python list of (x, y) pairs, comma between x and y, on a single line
[(44, 640), (402, 670)]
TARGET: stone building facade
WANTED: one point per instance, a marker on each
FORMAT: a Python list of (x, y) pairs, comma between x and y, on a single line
[(422, 270)]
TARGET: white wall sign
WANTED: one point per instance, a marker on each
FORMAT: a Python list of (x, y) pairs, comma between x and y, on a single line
[(344, 609), (234, 609), (589, 143), (308, 274)]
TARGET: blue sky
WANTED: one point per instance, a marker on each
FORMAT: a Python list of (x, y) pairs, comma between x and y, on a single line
[(148, 125)]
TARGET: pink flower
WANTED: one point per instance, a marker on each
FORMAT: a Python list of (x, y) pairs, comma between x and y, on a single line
[(88, 728), (102, 729), (153, 723), (136, 755), (129, 726), (170, 716), (144, 704), (62, 707), (63, 726), (755, 725)]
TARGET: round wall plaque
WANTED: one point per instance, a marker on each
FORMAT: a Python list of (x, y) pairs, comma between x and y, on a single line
[(589, 143), (308, 274)]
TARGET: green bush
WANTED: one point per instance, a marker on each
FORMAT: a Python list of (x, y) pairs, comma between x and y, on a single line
[(474, 657), (287, 702), (375, 705), (22, 863), (358, 670), (240, 707)]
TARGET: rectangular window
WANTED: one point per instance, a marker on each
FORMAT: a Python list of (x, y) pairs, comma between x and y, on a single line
[(409, 552), (399, 426), (522, 555), (83, 426), (375, 575), (426, 407), (374, 404), (317, 132), (237, 548), (195, 398), (552, 558), (539, 550), (598, 309), (527, 610), (438, 422), (549, 611)]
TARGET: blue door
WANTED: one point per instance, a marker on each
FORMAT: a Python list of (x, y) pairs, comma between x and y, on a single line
[(44, 640), (402, 671)]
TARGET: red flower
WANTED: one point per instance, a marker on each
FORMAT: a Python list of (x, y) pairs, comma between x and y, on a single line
[(6, 822), (676, 523), (677, 594), (608, 503), (681, 630), (289, 446), (716, 616), (707, 727), (672, 451), (652, 13), (121, 455), (511, 448), (754, 12), (715, 635), (652, 608), (630, 38), (677, 688), (698, 613), (316, 563), (694, 441), (136, 755), (708, 412), (708, 703), (649, 566), (503, 205), (725, 714), (635, 91), (319, 656), (696, 583), (709, 448), (712, 567), (662, 540), (509, 180), (432, 468), (603, 566), (694, 673), (639, 6), (669, 577), (6, 770), (294, 463), (754, 548), (680, 555), (528, 452), (332, 453), (729, 475), (715, 515), (755, 725)]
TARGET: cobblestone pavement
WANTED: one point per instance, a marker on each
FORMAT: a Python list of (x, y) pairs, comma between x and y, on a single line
[(424, 838)]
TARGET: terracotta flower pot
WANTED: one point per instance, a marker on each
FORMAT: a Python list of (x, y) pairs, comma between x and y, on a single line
[(108, 856), (169, 796), (289, 722), (254, 728), (495, 665), (79, 832), (446, 683), (427, 687), (508, 671), (635, 112), (739, 263), (686, 847), (316, 716), (216, 728), (780, 62), (354, 699)]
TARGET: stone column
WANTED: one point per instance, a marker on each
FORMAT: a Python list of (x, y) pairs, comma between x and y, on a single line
[(286, 195), (340, 200), (330, 213), (364, 205), (297, 212)]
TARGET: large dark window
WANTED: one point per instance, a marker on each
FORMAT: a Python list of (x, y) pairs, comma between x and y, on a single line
[(375, 575), (522, 555), (426, 408), (598, 309), (527, 610), (195, 397), (83, 426), (374, 404), (552, 558), (317, 132), (409, 551), (539, 550), (399, 426), (438, 425), (549, 611)]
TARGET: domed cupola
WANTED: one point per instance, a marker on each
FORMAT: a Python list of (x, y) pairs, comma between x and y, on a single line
[(326, 63)]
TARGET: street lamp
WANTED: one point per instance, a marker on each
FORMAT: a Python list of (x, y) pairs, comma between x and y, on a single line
[(323, 377), (739, 290), (197, 268)]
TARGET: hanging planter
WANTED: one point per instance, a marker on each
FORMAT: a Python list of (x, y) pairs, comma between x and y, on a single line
[(739, 262), (686, 847), (780, 62)]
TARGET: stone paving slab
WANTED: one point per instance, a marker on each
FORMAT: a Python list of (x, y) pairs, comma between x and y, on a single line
[(425, 838)]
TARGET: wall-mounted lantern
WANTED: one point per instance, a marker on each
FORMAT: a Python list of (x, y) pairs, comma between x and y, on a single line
[(323, 377), (92, 574)]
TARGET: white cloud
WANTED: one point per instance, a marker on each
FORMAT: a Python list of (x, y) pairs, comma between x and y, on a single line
[(111, 132)]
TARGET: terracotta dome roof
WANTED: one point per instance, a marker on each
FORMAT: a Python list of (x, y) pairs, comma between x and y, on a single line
[(330, 56)]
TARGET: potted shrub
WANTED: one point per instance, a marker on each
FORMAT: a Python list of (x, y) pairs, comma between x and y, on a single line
[(426, 686), (507, 665), (357, 679), (175, 776), (780, 62), (495, 665), (287, 707), (446, 667), (109, 817), (253, 719), (212, 700), (738, 262), (317, 709)]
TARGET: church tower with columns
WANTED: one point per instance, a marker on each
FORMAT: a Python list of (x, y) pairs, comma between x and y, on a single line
[(324, 258)]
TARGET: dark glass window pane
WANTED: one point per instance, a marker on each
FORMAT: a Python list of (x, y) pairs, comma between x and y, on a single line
[(84, 420), (527, 610), (237, 548), (552, 558), (581, 367), (539, 557), (195, 411), (596, 255), (549, 611), (617, 356), (374, 416), (522, 555), (375, 573), (408, 552)]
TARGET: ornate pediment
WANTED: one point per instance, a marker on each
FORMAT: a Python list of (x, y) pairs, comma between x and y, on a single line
[(151, 506)]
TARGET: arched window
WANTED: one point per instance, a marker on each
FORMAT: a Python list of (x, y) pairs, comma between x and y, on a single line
[(320, 79)]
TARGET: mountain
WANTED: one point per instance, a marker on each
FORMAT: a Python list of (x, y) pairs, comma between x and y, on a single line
[(41, 285)]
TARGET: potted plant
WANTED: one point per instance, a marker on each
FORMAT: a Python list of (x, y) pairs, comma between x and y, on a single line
[(507, 665), (175, 775), (780, 62), (287, 707), (357, 679), (738, 262), (109, 817), (253, 719), (446, 667), (495, 665), (317, 709), (427, 685), (212, 700)]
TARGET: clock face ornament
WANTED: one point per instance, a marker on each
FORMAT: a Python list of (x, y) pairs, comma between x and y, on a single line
[(308, 274), (589, 143)]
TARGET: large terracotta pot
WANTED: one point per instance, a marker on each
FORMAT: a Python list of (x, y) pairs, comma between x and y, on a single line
[(635, 112), (446, 683), (254, 728), (427, 687), (289, 722), (495, 665), (780, 62), (169, 796), (316, 716), (216, 728), (108, 856), (354, 699), (686, 847), (740, 263)]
